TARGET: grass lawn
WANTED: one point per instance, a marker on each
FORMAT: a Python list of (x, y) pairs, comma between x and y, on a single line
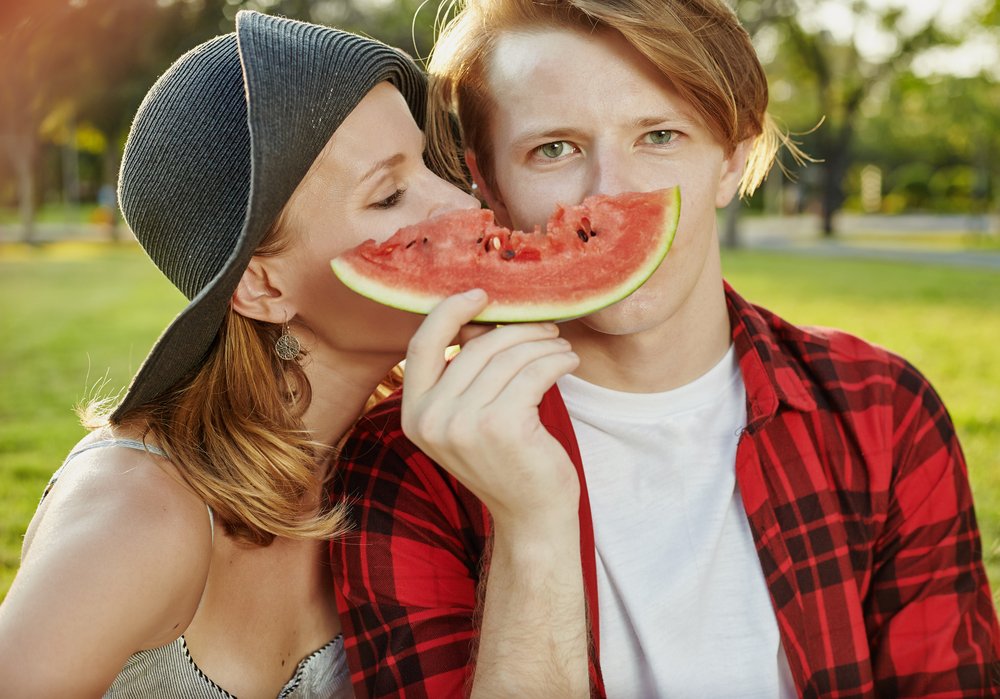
[(77, 316)]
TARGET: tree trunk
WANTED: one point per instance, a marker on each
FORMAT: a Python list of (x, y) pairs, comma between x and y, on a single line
[(24, 165), (71, 168), (109, 189), (837, 160), (829, 200)]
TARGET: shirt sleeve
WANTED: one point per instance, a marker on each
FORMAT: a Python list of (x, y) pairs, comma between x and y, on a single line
[(932, 623), (406, 575)]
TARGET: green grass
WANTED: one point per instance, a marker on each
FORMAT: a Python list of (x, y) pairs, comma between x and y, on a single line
[(75, 315), (55, 213), (929, 240)]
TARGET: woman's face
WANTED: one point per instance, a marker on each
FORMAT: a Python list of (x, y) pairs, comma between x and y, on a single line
[(369, 181)]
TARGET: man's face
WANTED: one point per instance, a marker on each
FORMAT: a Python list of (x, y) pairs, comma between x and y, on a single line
[(580, 114)]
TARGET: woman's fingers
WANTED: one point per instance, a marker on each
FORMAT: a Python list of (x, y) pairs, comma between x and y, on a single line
[(425, 355)]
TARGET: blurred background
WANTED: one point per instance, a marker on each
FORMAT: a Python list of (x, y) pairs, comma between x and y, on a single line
[(898, 102), (893, 232)]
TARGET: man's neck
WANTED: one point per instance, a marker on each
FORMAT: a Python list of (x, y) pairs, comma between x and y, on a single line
[(672, 354)]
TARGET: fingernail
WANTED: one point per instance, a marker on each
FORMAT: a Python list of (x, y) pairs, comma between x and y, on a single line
[(475, 294)]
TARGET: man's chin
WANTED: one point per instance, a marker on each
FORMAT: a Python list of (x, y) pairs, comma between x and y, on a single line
[(629, 316)]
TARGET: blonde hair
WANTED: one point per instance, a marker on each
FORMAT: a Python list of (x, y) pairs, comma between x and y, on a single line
[(698, 45), (233, 430)]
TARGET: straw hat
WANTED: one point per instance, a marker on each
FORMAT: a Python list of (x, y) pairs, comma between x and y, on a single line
[(216, 149)]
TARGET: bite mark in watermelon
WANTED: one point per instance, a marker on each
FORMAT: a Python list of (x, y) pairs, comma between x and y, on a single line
[(588, 257)]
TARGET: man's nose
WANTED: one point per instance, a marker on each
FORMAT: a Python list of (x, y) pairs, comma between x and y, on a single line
[(611, 173)]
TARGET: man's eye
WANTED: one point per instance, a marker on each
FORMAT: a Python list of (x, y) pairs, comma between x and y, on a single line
[(391, 200), (556, 149), (661, 137)]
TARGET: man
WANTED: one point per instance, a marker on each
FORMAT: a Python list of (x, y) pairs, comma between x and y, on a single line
[(761, 510)]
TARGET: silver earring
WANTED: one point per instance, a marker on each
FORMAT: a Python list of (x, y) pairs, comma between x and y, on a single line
[(287, 346)]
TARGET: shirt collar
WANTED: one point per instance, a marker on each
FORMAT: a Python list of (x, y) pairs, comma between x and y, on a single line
[(770, 377)]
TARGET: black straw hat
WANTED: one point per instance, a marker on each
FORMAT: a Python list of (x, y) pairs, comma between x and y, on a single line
[(215, 151)]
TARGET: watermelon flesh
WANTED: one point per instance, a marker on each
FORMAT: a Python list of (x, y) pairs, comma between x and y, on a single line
[(588, 256)]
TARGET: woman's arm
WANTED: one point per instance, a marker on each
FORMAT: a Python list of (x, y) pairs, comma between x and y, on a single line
[(116, 562)]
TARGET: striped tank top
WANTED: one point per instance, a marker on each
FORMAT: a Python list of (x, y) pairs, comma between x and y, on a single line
[(169, 672)]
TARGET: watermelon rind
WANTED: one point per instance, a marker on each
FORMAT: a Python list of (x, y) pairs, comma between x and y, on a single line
[(422, 303)]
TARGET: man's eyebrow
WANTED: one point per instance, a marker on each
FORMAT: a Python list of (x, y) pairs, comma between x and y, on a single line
[(665, 118), (385, 163)]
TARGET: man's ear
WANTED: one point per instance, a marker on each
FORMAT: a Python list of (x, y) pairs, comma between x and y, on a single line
[(732, 172), (259, 296), (486, 193)]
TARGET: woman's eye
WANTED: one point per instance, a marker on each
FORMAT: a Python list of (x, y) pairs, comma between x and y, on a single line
[(556, 149), (661, 137), (391, 200)]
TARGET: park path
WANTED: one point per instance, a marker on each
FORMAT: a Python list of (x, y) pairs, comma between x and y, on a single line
[(961, 241), (986, 259)]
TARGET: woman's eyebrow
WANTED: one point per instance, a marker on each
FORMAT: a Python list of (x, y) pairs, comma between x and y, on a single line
[(383, 164)]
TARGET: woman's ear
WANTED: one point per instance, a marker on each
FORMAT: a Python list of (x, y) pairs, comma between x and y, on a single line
[(259, 296), (485, 193)]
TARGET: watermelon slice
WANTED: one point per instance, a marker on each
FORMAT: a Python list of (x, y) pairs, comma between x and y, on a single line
[(588, 257)]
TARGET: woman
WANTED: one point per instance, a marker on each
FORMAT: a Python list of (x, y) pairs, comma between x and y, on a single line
[(179, 551)]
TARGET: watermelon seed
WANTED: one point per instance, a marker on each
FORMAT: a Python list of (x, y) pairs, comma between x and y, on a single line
[(593, 234), (582, 234), (410, 244), (478, 242), (508, 254), (496, 244), (425, 241)]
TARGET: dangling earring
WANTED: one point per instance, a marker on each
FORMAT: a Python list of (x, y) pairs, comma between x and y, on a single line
[(287, 346)]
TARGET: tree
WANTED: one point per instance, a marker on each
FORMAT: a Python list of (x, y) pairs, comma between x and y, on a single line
[(35, 80), (840, 71), (72, 61), (944, 127)]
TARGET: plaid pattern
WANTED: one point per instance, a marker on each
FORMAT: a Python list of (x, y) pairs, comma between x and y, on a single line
[(856, 492)]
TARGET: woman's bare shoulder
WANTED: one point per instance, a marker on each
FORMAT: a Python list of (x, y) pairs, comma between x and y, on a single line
[(125, 492), (117, 560)]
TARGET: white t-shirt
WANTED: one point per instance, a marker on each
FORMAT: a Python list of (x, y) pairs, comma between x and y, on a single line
[(684, 608)]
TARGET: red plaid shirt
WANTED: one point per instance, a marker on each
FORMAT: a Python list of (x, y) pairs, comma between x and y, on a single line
[(857, 495)]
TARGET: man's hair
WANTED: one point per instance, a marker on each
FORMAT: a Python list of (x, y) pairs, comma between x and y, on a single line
[(698, 45)]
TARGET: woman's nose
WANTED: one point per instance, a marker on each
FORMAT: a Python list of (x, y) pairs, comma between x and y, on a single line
[(451, 198)]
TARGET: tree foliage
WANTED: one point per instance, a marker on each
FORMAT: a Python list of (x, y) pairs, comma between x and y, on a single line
[(89, 62), (85, 64), (833, 76)]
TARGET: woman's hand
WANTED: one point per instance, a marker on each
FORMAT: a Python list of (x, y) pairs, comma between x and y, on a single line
[(477, 416)]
